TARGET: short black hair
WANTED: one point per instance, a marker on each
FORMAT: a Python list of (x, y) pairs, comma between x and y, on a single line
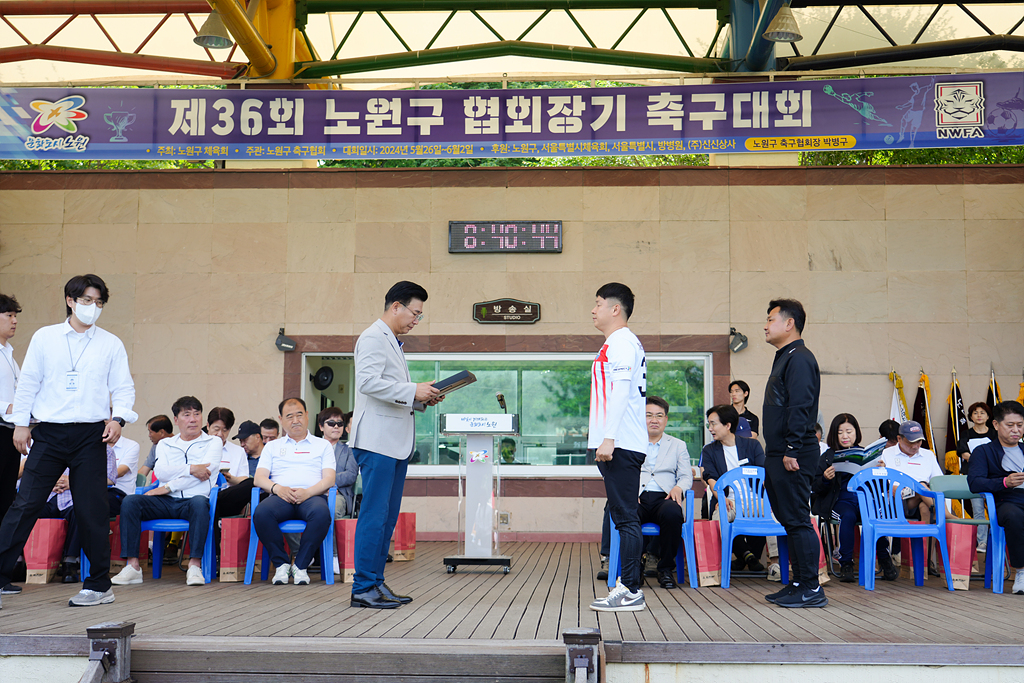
[(8, 304), (979, 404), (508, 439), (790, 308), (404, 292), (619, 292), (744, 387), (889, 430), (224, 415), (658, 401), (726, 415), (77, 285), (1005, 408), (270, 423), (186, 403), (280, 406), (160, 423), (327, 413), (832, 440)]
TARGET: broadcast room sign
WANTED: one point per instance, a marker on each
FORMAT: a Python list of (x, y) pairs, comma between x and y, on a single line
[(875, 113)]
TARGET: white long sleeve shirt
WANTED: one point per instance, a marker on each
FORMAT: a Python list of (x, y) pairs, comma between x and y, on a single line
[(103, 385), (174, 457), (9, 372)]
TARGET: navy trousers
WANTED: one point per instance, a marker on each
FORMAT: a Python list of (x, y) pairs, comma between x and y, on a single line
[(273, 510), (383, 484)]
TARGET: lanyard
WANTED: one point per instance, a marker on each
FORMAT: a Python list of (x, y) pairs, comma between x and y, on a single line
[(14, 368), (74, 363)]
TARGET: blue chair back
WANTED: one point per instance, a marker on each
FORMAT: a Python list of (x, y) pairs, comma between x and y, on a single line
[(753, 515), (686, 554), (292, 526), (880, 492)]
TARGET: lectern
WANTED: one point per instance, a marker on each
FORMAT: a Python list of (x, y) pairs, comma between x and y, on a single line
[(479, 484)]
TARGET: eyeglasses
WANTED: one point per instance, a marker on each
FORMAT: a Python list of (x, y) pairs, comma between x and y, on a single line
[(419, 316), (655, 416), (88, 300), (711, 424), (334, 423)]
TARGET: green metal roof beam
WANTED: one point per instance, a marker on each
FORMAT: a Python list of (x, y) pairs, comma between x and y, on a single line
[(508, 48), (324, 6), (887, 55)]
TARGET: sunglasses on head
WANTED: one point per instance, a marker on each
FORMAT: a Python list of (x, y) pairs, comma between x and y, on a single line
[(334, 423)]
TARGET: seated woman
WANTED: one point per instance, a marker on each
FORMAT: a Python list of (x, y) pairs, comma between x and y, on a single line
[(830, 499), (979, 432), (997, 467), (727, 452)]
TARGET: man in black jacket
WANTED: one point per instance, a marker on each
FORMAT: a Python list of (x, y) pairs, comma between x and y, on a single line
[(791, 448)]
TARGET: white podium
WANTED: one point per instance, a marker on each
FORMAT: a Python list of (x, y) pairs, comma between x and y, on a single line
[(479, 485)]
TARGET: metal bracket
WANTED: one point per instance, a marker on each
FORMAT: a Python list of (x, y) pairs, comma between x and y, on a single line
[(582, 657), (104, 651)]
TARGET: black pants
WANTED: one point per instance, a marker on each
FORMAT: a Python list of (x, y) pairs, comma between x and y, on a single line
[(1011, 517), (72, 541), (230, 503), (73, 545), (56, 447), (10, 461), (666, 513), (789, 494), (621, 483)]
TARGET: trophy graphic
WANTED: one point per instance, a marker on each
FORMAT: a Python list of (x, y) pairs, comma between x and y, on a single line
[(119, 120)]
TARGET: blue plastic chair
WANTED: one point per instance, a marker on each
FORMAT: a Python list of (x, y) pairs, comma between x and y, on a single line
[(955, 486), (161, 526), (685, 553), (878, 492), (753, 516), (292, 526)]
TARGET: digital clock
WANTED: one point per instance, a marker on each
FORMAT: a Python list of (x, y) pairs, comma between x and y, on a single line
[(504, 237)]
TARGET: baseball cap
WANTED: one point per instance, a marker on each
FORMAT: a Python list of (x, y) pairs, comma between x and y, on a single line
[(743, 428), (911, 431), (246, 429)]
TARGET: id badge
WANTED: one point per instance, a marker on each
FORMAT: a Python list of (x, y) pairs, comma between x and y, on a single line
[(71, 381)]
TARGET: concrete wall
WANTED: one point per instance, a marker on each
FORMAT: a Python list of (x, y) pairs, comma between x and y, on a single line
[(904, 268)]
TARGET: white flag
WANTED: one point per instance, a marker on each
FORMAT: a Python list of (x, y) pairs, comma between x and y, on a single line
[(897, 411)]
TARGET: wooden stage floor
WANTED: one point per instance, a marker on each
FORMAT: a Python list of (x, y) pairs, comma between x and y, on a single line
[(547, 592)]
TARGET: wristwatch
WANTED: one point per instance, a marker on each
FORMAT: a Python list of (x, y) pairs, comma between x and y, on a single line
[(118, 420)]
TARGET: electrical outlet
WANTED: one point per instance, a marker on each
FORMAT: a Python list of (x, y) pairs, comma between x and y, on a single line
[(504, 518)]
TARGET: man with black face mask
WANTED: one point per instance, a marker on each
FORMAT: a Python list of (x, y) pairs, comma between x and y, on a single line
[(75, 382)]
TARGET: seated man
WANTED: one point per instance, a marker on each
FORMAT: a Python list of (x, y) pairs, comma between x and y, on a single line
[(908, 457), (159, 428), (269, 430), (334, 424), (727, 452), (185, 468), (296, 470), (126, 452), (665, 476), (233, 465), (997, 467), (251, 441)]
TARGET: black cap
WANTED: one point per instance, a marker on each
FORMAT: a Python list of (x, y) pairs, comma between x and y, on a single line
[(247, 429)]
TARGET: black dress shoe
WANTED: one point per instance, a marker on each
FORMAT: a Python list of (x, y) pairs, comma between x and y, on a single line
[(374, 599), (665, 580), (71, 573), (10, 589), (391, 595)]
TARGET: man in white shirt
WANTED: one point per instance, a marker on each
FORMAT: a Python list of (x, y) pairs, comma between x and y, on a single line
[(186, 467), (127, 453), (159, 428), (908, 457), (76, 383), (296, 470), (10, 459), (617, 437)]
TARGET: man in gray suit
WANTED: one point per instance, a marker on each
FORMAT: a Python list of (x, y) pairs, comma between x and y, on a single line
[(383, 435), (665, 477)]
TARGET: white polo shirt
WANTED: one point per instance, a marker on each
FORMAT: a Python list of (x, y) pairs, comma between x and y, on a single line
[(234, 460), (921, 467), (127, 453), (297, 464)]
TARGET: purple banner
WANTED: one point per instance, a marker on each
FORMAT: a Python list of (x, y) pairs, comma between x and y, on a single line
[(871, 113)]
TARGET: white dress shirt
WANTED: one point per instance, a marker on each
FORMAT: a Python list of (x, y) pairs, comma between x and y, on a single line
[(647, 482), (298, 464), (174, 457), (103, 378), (127, 453), (9, 372), (234, 460)]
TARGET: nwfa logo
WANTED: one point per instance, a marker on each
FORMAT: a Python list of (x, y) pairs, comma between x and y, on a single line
[(959, 110)]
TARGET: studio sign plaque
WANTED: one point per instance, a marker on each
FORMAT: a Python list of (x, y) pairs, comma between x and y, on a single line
[(506, 311)]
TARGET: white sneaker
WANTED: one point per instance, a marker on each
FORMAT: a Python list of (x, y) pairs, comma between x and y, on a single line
[(1018, 583), (195, 576), (300, 576), (620, 599), (127, 576), (281, 574), (774, 572), (337, 567)]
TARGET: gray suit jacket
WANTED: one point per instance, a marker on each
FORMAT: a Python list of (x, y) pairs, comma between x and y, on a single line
[(673, 465), (385, 395)]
